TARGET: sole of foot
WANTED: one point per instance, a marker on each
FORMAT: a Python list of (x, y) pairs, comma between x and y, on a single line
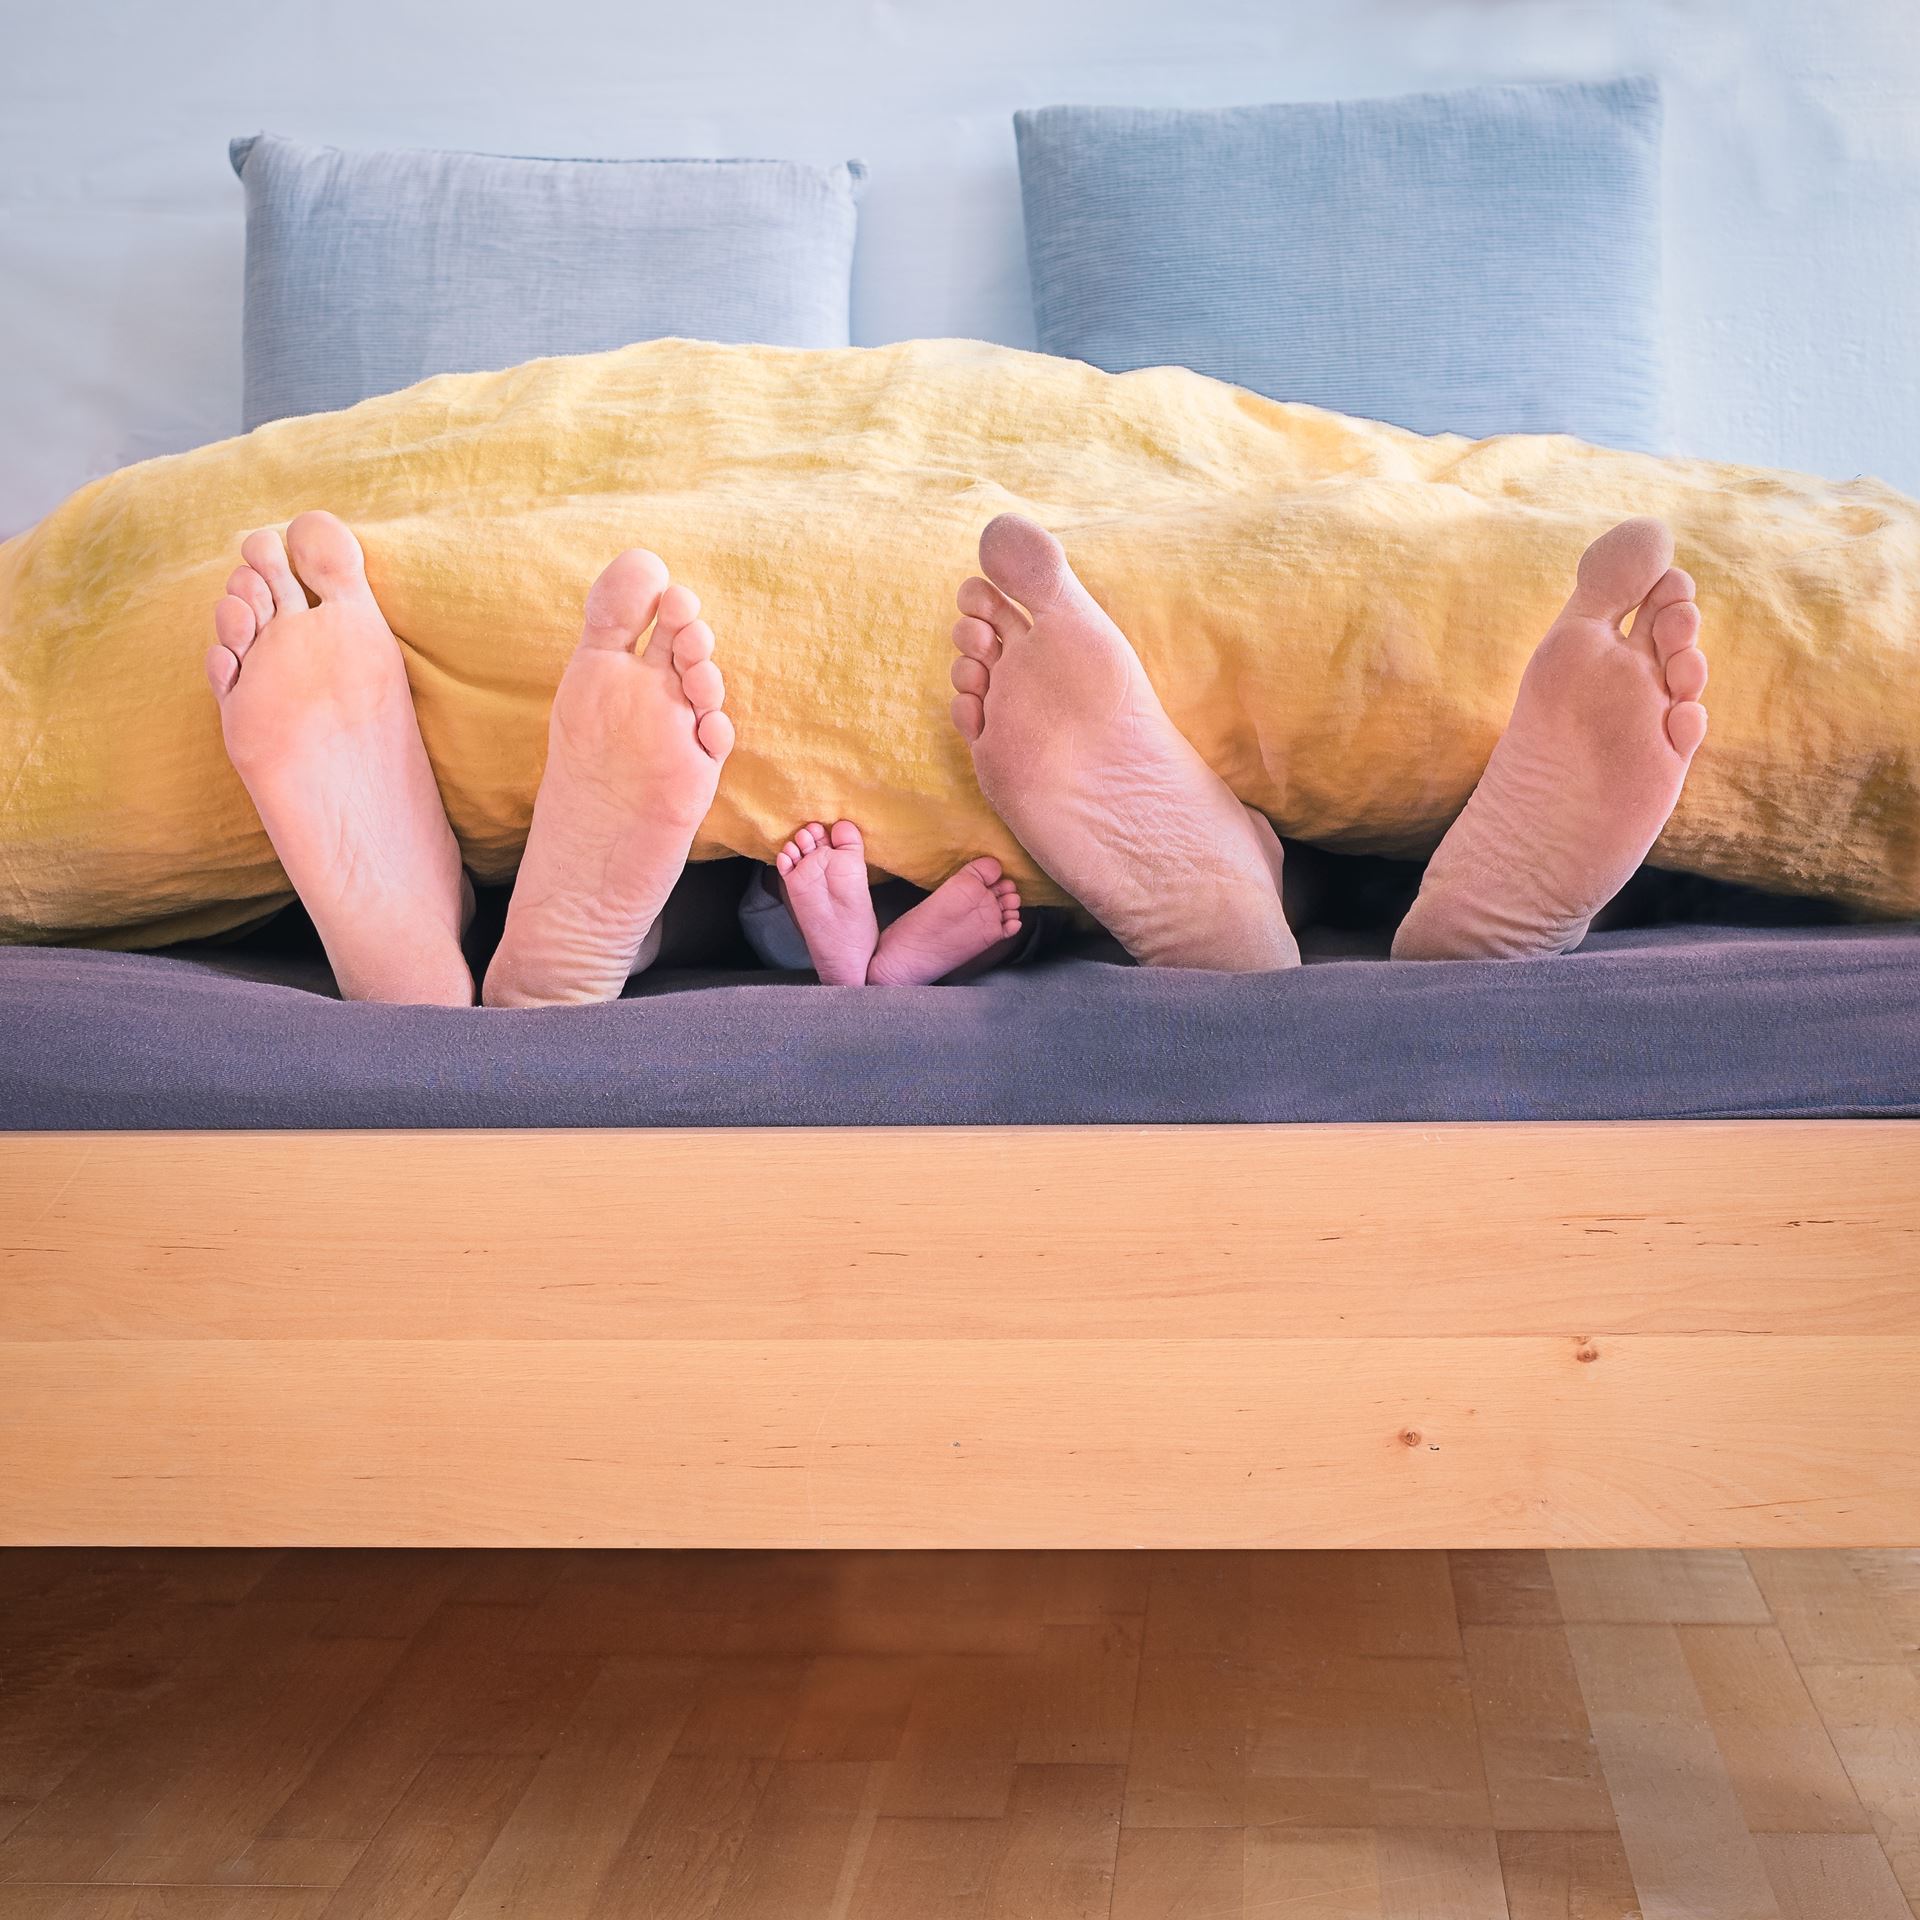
[(319, 724), (1604, 729), (635, 744), (967, 915), (824, 873), (1074, 751)]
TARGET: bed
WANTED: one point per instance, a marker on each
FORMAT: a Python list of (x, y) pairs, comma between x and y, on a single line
[(1616, 1249)]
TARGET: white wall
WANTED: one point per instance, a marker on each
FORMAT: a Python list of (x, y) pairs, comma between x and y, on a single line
[(1793, 167)]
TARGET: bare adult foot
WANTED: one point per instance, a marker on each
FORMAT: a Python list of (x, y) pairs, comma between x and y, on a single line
[(967, 915), (1075, 753), (825, 876), (319, 724), (634, 749), (1604, 728)]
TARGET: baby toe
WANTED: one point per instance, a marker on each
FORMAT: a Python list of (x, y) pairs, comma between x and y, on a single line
[(1686, 726), (222, 670)]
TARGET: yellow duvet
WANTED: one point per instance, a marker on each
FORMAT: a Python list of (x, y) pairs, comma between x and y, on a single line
[(1335, 612)]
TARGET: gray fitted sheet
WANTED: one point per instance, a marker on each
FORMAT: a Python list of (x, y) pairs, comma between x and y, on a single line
[(1668, 1022)]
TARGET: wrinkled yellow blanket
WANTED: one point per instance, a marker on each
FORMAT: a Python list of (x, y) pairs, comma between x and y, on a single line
[(1335, 612)]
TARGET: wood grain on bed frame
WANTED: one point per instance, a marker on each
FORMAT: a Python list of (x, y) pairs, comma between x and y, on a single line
[(1636, 1334)]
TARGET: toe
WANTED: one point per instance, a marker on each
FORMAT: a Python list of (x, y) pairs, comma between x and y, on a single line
[(704, 688), (244, 584), (1687, 674), (266, 553), (1673, 586), (621, 604), (1027, 564), (679, 609), (234, 626), (969, 676), (1686, 727), (969, 714), (714, 731), (981, 600), (223, 669), (691, 644), (986, 870), (846, 834), (787, 858), (326, 557), (977, 641), (1621, 568), (1675, 628)]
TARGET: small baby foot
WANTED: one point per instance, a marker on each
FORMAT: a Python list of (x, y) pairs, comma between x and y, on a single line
[(1074, 751), (319, 724), (1604, 728), (635, 745), (825, 876), (968, 914)]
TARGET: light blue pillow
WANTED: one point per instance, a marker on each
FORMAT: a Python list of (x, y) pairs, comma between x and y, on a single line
[(1478, 262), (369, 271)]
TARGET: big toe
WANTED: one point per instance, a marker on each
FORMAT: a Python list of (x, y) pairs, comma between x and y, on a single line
[(621, 604), (845, 834), (1025, 561), (326, 556), (1622, 567)]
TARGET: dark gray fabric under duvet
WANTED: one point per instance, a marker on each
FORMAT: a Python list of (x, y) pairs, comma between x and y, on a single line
[(1683, 1021)]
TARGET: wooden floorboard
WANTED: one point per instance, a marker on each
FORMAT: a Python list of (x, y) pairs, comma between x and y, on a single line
[(1501, 1735)]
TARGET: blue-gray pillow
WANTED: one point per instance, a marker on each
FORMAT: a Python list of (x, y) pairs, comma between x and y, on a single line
[(369, 271), (1477, 262)]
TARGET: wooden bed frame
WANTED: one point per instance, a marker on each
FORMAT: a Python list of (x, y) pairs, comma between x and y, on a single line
[(1627, 1334)]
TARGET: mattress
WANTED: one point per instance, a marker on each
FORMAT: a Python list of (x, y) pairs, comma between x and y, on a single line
[(1670, 1021)]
